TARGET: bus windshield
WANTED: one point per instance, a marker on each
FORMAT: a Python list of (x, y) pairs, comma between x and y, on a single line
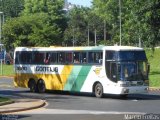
[(131, 55), (126, 65), (132, 71)]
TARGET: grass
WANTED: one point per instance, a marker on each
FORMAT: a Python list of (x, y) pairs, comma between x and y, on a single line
[(2, 99), (5, 101), (7, 70), (154, 61)]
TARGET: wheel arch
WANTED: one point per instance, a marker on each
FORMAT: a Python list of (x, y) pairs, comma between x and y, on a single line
[(40, 79), (41, 90), (95, 83), (32, 85), (31, 79)]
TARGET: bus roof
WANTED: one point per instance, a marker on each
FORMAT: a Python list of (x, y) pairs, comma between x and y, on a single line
[(57, 48)]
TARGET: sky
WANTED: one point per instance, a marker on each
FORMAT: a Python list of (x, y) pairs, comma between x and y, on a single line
[(85, 3)]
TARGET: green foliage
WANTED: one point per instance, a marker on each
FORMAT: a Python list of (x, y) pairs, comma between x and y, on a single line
[(30, 31), (108, 10), (154, 62), (7, 70), (140, 20), (76, 31), (11, 8), (80, 22), (4, 99), (54, 9), (42, 23)]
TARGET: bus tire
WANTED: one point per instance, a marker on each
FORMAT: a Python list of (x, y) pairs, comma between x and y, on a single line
[(123, 96), (98, 90), (41, 86), (32, 85)]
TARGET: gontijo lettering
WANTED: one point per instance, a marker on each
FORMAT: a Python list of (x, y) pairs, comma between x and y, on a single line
[(46, 69)]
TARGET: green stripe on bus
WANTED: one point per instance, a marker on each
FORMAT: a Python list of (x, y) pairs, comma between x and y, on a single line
[(72, 77), (81, 78)]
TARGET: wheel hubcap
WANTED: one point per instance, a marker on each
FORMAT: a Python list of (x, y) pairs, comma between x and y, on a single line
[(98, 91)]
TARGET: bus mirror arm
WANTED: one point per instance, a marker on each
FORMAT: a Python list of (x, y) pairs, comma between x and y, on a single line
[(100, 61), (148, 68)]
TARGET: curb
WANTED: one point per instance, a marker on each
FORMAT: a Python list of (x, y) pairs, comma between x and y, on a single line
[(6, 76), (6, 102), (43, 103), (154, 89)]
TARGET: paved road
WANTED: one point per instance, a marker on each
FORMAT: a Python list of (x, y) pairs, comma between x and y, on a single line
[(82, 106)]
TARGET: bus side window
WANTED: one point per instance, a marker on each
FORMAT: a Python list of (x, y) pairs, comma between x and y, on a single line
[(91, 57), (76, 57), (111, 55), (98, 57), (113, 74), (83, 57), (47, 58), (95, 57), (29, 58), (61, 57), (38, 58), (69, 57), (25, 57), (17, 57), (53, 58)]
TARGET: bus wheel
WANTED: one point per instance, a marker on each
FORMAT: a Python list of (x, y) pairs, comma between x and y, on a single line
[(41, 86), (98, 90), (123, 96), (32, 85)]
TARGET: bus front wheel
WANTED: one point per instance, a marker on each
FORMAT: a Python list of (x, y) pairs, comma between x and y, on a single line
[(41, 86), (32, 85), (124, 96), (98, 90)]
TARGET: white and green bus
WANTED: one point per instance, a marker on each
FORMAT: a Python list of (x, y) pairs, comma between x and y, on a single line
[(120, 70)]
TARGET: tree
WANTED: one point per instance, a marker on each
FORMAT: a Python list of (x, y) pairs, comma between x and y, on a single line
[(108, 11), (11, 8), (30, 31), (84, 27), (152, 16), (42, 23), (76, 32), (95, 24), (140, 20), (54, 9)]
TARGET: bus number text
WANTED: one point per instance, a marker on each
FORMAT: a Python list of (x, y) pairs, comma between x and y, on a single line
[(19, 68)]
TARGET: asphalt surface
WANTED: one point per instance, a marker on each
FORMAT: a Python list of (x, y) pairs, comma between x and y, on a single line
[(61, 105)]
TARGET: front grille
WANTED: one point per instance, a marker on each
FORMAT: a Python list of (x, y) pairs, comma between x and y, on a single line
[(136, 83)]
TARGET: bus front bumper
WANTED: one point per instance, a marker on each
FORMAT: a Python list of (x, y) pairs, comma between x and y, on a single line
[(134, 90)]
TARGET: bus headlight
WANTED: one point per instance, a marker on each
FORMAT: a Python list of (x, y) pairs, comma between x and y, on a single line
[(146, 89), (124, 84), (125, 90)]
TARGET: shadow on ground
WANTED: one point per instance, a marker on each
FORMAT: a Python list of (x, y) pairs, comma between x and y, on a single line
[(71, 95)]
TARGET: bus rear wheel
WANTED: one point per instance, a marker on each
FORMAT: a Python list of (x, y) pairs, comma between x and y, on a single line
[(32, 85), (98, 90), (41, 86)]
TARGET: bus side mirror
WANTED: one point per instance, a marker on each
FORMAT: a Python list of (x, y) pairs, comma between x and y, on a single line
[(148, 68), (100, 61)]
